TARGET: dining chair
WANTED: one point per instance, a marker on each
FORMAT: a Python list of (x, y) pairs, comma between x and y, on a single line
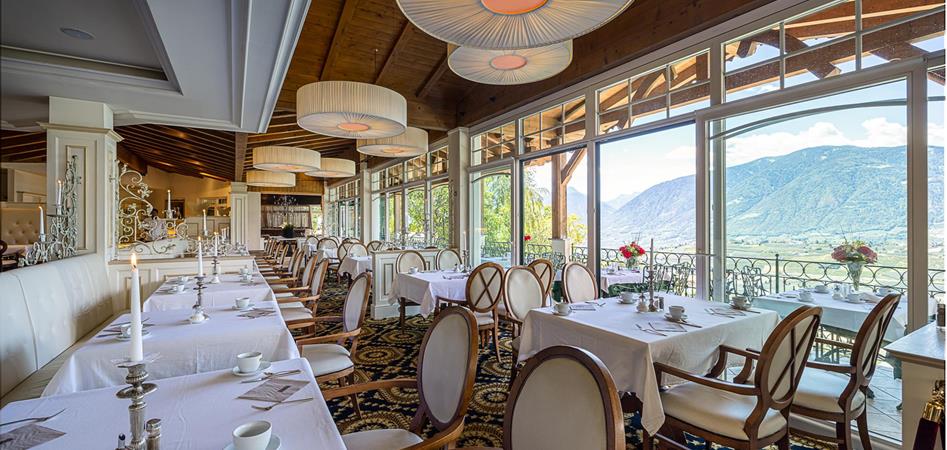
[(447, 366), (406, 260), (564, 378), (448, 258), (344, 249), (327, 244), (277, 259), (839, 392), (299, 310), (484, 291), (311, 282), (546, 273), (357, 250), (285, 278), (741, 414), (328, 355), (522, 292), (375, 246), (578, 284), (351, 240)]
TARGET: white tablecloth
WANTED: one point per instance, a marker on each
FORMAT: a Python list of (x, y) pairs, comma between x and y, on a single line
[(619, 277), (320, 254), (610, 332), (183, 348), (196, 411), (355, 265), (425, 288), (838, 313), (220, 294)]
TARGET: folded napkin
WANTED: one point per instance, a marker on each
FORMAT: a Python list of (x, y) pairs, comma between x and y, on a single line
[(727, 311), (871, 297), (667, 327), (28, 437), (253, 314), (583, 307), (459, 276), (275, 390)]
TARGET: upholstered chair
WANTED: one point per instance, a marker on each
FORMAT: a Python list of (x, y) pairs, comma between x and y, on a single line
[(448, 258), (279, 279), (546, 273), (328, 355), (522, 291), (484, 291), (825, 395), (738, 414), (375, 246), (327, 243), (357, 250), (300, 308), (447, 366), (406, 260), (578, 284)]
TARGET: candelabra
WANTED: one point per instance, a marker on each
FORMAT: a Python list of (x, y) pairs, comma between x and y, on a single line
[(63, 234), (198, 307), (136, 392)]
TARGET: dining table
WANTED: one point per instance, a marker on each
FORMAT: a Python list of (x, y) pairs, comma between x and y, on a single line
[(840, 313), (355, 265), (180, 347), (620, 276), (629, 342), (197, 411), (428, 287), (230, 287)]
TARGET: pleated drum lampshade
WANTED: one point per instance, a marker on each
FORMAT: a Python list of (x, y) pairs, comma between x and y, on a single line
[(285, 159), (509, 66), (412, 142), (509, 24), (334, 168), (265, 178), (352, 110)]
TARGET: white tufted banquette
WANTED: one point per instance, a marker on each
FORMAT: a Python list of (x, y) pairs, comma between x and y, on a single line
[(19, 223)]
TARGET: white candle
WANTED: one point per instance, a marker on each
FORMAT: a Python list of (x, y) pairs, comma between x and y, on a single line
[(200, 257), (42, 221), (58, 192), (205, 222), (169, 204), (136, 353)]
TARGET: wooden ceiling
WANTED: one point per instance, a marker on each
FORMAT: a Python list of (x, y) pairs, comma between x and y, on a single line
[(371, 41)]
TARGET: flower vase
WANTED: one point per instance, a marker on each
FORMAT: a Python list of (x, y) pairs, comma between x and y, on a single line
[(855, 273), (631, 263)]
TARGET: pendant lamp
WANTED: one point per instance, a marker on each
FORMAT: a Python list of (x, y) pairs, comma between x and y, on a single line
[(285, 159), (265, 178), (351, 110), (412, 142), (509, 66), (334, 168)]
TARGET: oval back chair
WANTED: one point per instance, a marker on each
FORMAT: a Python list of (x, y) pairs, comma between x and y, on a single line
[(357, 250), (375, 246), (578, 284), (327, 244), (483, 293), (546, 273), (408, 259), (448, 258)]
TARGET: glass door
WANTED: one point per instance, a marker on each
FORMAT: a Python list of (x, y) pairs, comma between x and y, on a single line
[(554, 207)]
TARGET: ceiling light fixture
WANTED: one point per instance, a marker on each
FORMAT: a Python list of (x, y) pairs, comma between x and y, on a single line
[(265, 178), (285, 159), (334, 168), (509, 24), (412, 142), (77, 33), (352, 110), (509, 66)]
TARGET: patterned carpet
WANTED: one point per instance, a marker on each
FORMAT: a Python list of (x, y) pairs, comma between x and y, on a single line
[(386, 351)]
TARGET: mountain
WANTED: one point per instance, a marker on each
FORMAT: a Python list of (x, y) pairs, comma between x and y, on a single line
[(616, 203), (828, 192)]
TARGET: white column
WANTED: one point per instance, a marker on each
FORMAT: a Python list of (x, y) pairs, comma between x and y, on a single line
[(458, 155), (84, 129), (245, 212), (365, 201)]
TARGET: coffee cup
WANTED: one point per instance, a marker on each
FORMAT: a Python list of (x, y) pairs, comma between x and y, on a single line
[(821, 288), (884, 290), (242, 302), (249, 362), (126, 330), (252, 435), (676, 312), (563, 308), (805, 296), (739, 301), (184, 279), (854, 297), (179, 288), (413, 270), (627, 297), (244, 270)]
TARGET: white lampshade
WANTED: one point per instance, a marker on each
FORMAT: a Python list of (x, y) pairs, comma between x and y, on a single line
[(285, 159), (509, 24), (334, 168), (265, 178), (348, 109), (509, 66), (412, 142)]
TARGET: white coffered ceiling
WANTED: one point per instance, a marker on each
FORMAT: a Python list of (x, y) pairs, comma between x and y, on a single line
[(208, 64)]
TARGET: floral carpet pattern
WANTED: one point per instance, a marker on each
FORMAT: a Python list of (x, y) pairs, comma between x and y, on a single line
[(385, 351)]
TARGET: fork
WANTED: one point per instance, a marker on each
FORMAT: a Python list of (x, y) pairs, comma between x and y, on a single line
[(267, 376), (269, 407), (35, 419), (648, 330)]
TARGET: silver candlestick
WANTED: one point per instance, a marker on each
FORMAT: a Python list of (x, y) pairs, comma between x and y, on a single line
[(136, 392), (199, 305), (216, 270)]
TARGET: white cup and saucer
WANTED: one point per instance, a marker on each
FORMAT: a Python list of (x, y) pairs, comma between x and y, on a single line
[(256, 435), (821, 289), (125, 332), (627, 298), (197, 317), (883, 291), (178, 288), (183, 279), (854, 297), (805, 296), (250, 364), (676, 313), (740, 302), (242, 304), (562, 309), (413, 270), (246, 277)]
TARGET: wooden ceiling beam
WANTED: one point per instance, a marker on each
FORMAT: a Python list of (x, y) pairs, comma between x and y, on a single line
[(297, 132), (22, 156), (396, 52), (433, 77), (187, 136), (179, 158), (240, 155), (147, 136), (335, 46)]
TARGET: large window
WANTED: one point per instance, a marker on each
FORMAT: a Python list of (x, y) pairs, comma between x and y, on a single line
[(935, 183), (555, 205), (491, 195), (440, 213), (493, 145), (415, 217), (561, 124), (412, 206)]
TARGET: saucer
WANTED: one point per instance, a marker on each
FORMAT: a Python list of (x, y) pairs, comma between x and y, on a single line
[(188, 320), (263, 366), (557, 313), (669, 318), (810, 300), (629, 302), (854, 302), (144, 333), (273, 445), (740, 308), (248, 308), (788, 295)]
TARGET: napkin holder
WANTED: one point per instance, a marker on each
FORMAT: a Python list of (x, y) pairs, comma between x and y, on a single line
[(136, 392)]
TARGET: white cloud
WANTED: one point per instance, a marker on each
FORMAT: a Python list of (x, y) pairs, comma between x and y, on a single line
[(935, 134)]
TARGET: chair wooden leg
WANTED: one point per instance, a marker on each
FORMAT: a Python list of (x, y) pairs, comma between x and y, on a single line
[(843, 433), (783, 443), (496, 341), (514, 368), (401, 307), (354, 397), (863, 430), (647, 441)]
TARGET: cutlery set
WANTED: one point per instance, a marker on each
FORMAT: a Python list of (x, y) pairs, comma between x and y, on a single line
[(270, 375), (34, 419)]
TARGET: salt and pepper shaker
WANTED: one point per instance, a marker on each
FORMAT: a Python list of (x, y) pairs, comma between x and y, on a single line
[(153, 428), (121, 442), (941, 315)]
